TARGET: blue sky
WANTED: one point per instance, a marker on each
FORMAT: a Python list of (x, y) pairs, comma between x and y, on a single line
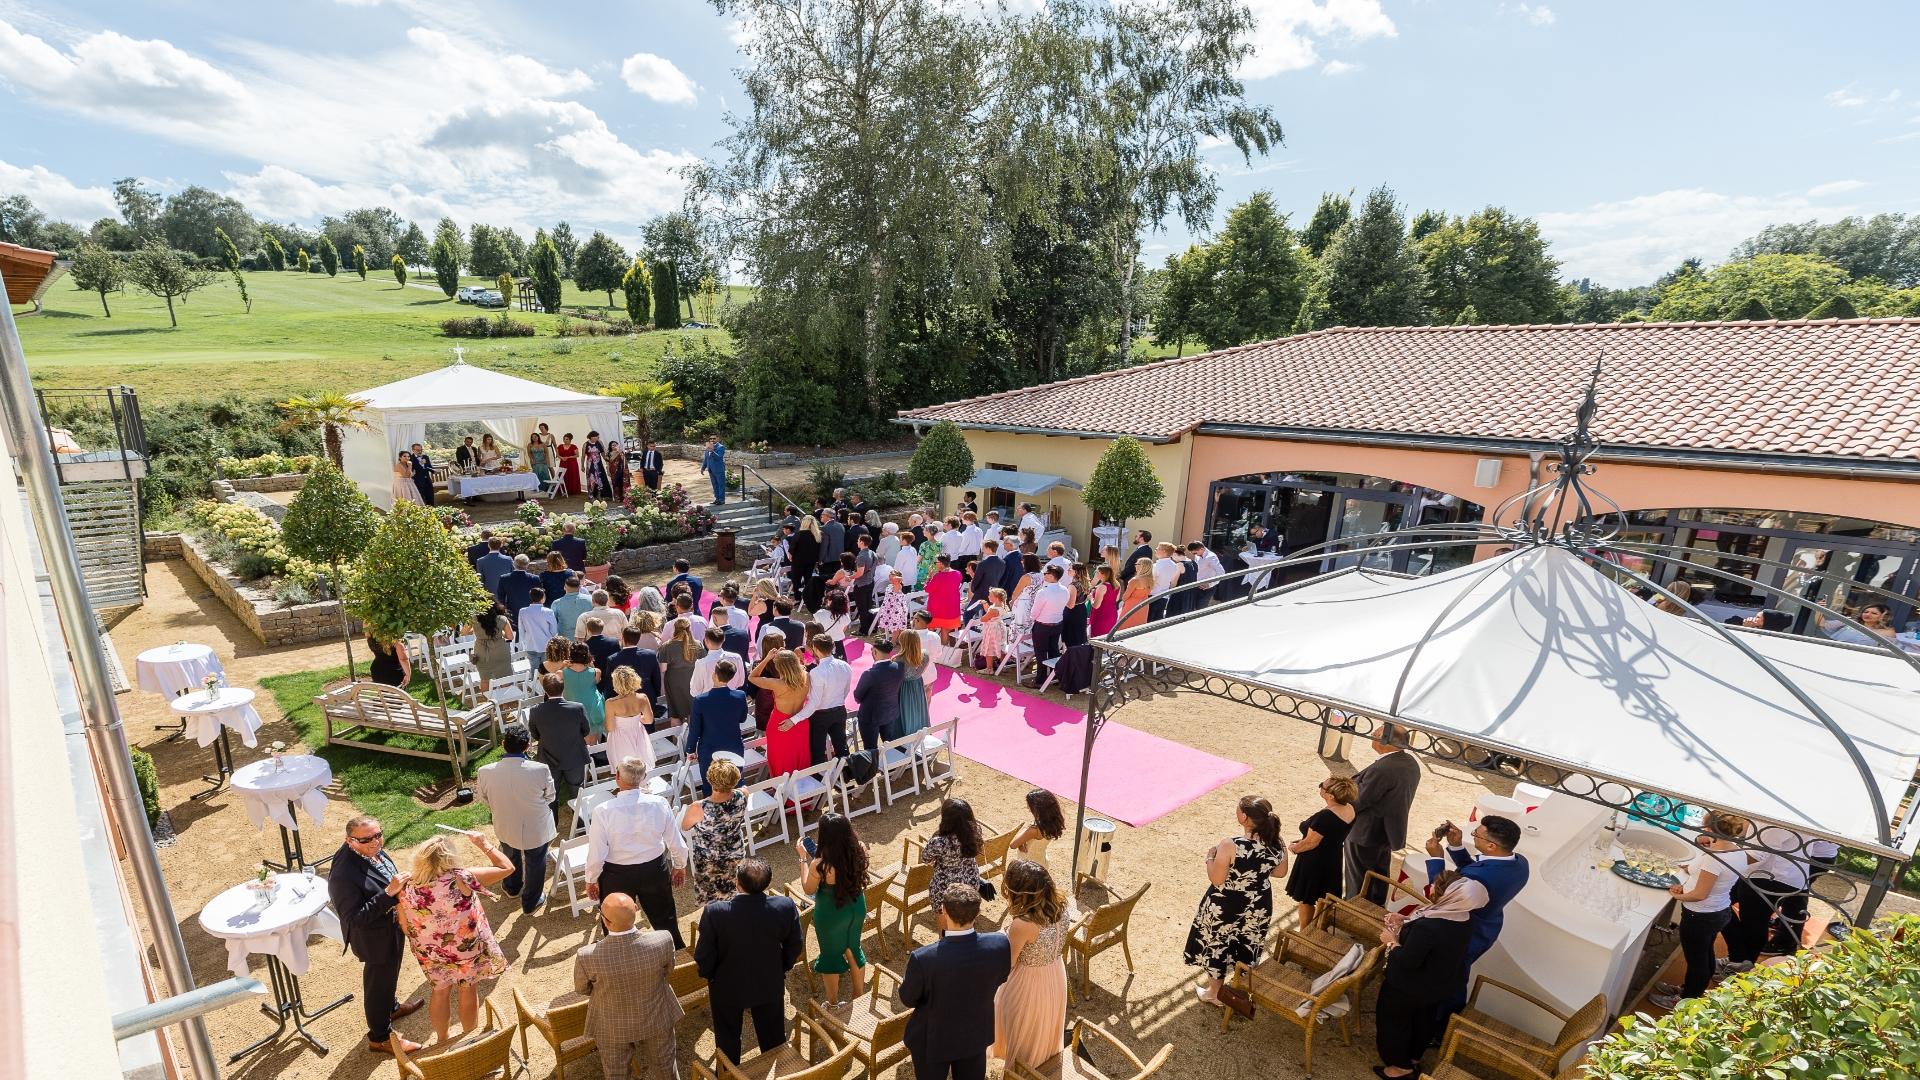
[(1638, 133)]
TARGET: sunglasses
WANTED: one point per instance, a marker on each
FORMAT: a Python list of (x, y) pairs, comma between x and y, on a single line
[(367, 839)]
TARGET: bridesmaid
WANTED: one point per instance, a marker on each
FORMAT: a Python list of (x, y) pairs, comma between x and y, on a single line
[(1030, 1010), (788, 749), (593, 459), (583, 685), (568, 455), (618, 476), (540, 456)]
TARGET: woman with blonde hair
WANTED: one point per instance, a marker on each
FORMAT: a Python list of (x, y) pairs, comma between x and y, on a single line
[(439, 910), (678, 657), (1135, 603), (628, 713), (716, 829), (1030, 1009), (913, 685), (788, 749), (1318, 868), (649, 626)]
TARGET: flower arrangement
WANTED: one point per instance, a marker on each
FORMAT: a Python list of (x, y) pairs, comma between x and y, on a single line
[(277, 747), (213, 681), (453, 517), (531, 513)]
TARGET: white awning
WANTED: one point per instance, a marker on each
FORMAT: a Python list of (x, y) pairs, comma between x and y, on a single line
[(1538, 653), (1024, 483)]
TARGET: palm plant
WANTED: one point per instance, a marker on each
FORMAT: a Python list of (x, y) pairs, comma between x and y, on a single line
[(333, 412), (645, 402)]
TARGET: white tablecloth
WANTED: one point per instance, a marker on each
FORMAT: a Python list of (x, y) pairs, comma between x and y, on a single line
[(1104, 537), (298, 911), (266, 791), (466, 487), (1259, 581), (232, 709), (169, 669)]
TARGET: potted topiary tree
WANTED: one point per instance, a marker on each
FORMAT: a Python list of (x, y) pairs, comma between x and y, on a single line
[(942, 460), (412, 578), (1123, 485), (330, 522), (600, 539)]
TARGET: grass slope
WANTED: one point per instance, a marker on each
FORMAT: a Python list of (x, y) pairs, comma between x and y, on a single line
[(307, 333)]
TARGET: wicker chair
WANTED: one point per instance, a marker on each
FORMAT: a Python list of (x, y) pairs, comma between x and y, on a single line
[(876, 900), (906, 892), (485, 1055), (874, 1023), (1284, 991), (1101, 929), (1473, 1036), (1069, 1065), (1357, 918), (564, 1027), (687, 984), (822, 1058)]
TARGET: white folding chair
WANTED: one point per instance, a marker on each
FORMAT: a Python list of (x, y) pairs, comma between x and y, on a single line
[(812, 789), (585, 803), (667, 744), (967, 638), (556, 485), (756, 758), (569, 858), (847, 789), (1019, 649), (766, 807), (514, 694), (934, 752), (897, 762), (686, 781)]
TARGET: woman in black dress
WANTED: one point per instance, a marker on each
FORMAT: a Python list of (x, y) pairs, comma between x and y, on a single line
[(1232, 921), (1073, 624), (389, 663), (1317, 867), (1426, 963)]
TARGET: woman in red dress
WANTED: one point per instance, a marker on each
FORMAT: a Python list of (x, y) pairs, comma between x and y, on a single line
[(788, 750), (569, 456)]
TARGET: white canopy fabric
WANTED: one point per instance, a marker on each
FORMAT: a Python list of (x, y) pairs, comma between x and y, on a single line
[(510, 407), (1539, 653), (1025, 483)]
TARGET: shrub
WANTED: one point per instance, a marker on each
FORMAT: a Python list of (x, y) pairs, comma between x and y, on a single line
[(266, 465), (1845, 1009), (824, 476), (147, 778), (700, 429), (943, 458), (705, 378), (1123, 485), (479, 326), (249, 543)]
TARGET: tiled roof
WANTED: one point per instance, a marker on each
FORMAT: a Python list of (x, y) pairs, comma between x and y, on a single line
[(27, 270), (1832, 388)]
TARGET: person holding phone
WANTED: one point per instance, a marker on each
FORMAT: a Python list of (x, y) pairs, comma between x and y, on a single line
[(835, 872)]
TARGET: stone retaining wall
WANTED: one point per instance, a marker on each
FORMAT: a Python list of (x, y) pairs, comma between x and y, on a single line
[(699, 549), (161, 546), (695, 451), (270, 621), (282, 482)]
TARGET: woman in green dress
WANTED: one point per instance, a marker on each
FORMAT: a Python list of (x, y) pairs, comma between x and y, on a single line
[(582, 681), (540, 457), (836, 874)]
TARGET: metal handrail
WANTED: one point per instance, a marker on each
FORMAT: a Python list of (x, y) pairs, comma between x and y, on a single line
[(172, 1010), (765, 483)]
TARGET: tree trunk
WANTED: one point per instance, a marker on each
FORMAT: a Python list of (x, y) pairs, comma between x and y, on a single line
[(103, 304), (346, 624), (170, 316), (609, 299), (330, 434)]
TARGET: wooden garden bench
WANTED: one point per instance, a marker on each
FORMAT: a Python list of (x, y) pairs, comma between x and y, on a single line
[(358, 709)]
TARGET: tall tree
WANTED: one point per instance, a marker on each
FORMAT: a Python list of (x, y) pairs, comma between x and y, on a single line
[(1175, 317), (661, 282), (545, 272), (98, 270), (446, 265), (1884, 246), (1373, 275), (1786, 286), (159, 270), (20, 222), (676, 238), (488, 252), (412, 579), (450, 232), (1056, 283), (305, 262), (600, 265), (1333, 212), (276, 255), (380, 231), (564, 242), (636, 287), (1493, 262), (330, 522), (139, 208), (230, 258), (399, 265), (1252, 276), (360, 261), (329, 256), (189, 218), (412, 246)]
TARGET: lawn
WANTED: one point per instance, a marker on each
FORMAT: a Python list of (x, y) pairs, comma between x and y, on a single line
[(307, 333)]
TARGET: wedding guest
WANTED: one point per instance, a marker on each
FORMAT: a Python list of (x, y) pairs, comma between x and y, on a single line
[(1046, 822), (612, 619), (1319, 853), (878, 696), (788, 743), (943, 598), (677, 660), (581, 680), (422, 473), (1073, 624), (1030, 1009), (647, 625), (568, 455), (447, 927), (1167, 568), (620, 595), (718, 715), (403, 486), (803, 552), (571, 547), (954, 850), (628, 713), (515, 590), (951, 985), (593, 466), (716, 829), (493, 566), (519, 792), (1706, 905), (619, 475), (631, 1006), (540, 458), (554, 577), (731, 620), (651, 465), (825, 711), (1206, 566), (1426, 959), (716, 642), (713, 462), (895, 612), (889, 544), (389, 666), (1030, 519), (1136, 603), (493, 645), (362, 886), (748, 942), (560, 728), (478, 550), (836, 876), (569, 606), (1499, 869), (916, 669), (634, 847), (1048, 612), (1142, 549), (537, 624), (1385, 798), (683, 575), (1231, 925), (598, 643), (994, 629), (558, 652)]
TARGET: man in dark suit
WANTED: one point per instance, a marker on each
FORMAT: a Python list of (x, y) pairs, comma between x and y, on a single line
[(466, 455), (515, 590), (599, 644), (1013, 566), (878, 695), (784, 622), (731, 622), (644, 662), (422, 473), (1494, 864), (561, 728), (683, 575), (651, 465), (950, 987), (1380, 812), (987, 571), (363, 886), (1143, 549), (478, 551), (493, 566), (1263, 541), (715, 724), (748, 943), (571, 548)]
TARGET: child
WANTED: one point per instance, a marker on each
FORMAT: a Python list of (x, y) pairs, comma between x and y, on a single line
[(993, 629)]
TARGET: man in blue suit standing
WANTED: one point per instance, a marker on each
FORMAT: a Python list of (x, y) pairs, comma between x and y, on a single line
[(950, 987), (714, 463), (494, 565), (715, 723), (1497, 868), (878, 695)]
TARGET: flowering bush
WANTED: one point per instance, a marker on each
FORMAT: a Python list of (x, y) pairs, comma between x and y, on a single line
[(531, 513), (453, 517), (249, 542), (265, 465)]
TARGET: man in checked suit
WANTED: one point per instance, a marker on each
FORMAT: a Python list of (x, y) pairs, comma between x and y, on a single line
[(631, 1007), (1380, 812)]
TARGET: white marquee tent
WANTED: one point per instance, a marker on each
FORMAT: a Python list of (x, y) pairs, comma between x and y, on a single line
[(1539, 653), (509, 407)]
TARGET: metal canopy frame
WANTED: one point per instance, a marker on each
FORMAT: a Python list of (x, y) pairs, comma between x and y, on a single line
[(1561, 512)]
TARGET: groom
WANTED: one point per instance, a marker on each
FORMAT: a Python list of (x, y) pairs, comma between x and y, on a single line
[(714, 461)]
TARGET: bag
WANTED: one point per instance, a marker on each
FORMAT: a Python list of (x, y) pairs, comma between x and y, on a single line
[(987, 891), (860, 766), (1237, 999)]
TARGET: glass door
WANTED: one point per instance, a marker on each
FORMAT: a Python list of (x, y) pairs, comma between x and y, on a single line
[(1827, 574), (1361, 516), (1301, 517)]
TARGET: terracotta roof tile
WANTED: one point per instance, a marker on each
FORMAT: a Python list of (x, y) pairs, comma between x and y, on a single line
[(1833, 388)]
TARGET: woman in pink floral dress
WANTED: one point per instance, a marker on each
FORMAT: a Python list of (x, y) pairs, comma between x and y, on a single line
[(448, 930)]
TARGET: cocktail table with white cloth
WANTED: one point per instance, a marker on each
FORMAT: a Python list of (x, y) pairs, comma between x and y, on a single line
[(1259, 581), (275, 789), (279, 931), (171, 670), (513, 483), (210, 715)]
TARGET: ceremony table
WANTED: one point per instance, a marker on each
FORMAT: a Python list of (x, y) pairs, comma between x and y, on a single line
[(468, 487), (298, 911), (209, 719), (170, 670), (275, 789)]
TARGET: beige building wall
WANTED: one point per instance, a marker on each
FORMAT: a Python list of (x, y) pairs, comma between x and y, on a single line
[(1074, 458)]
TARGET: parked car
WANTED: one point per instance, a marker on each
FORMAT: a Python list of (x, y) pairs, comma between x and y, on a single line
[(464, 294), (489, 298), (694, 325)]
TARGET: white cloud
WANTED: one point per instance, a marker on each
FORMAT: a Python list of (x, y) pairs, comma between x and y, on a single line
[(107, 72), (1536, 14), (1834, 187), (1849, 96), (1284, 37), (1633, 241), (656, 77), (1338, 67), (55, 195)]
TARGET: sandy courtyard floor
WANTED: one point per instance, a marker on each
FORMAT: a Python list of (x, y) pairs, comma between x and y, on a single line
[(1152, 1006)]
